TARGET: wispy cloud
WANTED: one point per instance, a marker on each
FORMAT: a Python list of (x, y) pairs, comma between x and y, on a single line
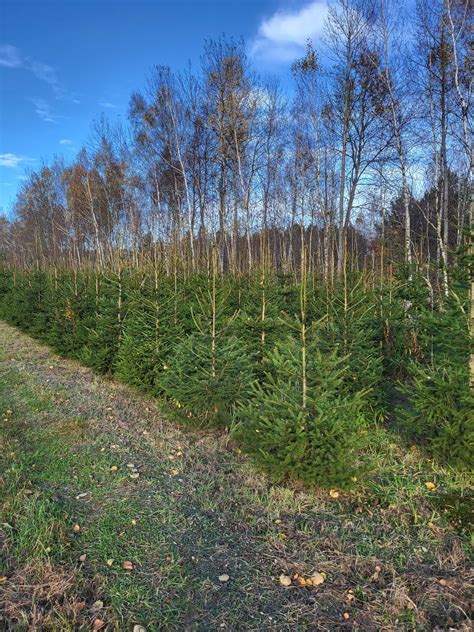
[(44, 111), (282, 36), (106, 104), (13, 160), (12, 57), (65, 141)]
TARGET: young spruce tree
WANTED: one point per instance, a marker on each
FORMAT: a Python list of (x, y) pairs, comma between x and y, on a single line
[(303, 421), (209, 372)]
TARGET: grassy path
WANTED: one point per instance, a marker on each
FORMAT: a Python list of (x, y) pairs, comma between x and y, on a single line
[(92, 477)]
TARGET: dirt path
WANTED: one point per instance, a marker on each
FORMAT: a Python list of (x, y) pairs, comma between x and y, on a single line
[(92, 477)]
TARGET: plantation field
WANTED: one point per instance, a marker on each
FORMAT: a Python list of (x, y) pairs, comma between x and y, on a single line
[(113, 517)]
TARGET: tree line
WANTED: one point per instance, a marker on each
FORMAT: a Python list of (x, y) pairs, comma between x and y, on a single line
[(366, 163), (295, 269)]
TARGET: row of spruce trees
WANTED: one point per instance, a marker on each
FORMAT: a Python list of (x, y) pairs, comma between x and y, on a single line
[(300, 372)]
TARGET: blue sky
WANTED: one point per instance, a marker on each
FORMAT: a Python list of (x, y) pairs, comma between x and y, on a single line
[(64, 62)]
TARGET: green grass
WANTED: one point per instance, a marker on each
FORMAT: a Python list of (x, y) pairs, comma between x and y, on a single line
[(198, 510)]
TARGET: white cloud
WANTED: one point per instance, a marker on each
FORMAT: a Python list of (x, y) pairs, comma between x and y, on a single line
[(283, 36), (65, 141), (10, 56), (44, 111), (46, 73), (11, 160), (106, 104)]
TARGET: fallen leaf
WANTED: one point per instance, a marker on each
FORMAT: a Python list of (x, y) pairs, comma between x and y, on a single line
[(127, 566), (443, 582), (110, 562), (135, 475), (113, 468), (98, 604), (83, 557), (285, 580), (98, 624), (131, 465), (139, 628), (76, 528), (3, 579), (81, 495), (334, 493), (133, 521), (346, 615), (430, 485), (317, 579), (224, 578), (174, 472)]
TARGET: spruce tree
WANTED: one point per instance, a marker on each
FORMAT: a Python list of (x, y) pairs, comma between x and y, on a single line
[(209, 372), (303, 420), (146, 339), (105, 331), (353, 326), (439, 413), (259, 324)]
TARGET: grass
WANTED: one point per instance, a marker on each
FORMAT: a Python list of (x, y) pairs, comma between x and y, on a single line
[(394, 553)]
